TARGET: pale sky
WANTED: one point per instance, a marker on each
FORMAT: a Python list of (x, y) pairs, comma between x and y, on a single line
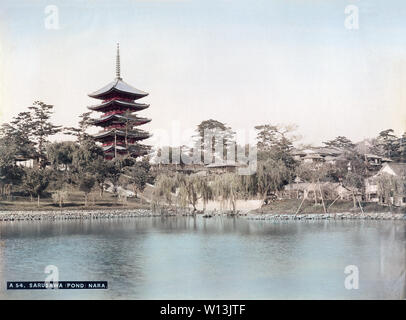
[(241, 62)]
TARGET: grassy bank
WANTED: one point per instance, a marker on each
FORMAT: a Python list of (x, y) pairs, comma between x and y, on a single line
[(75, 201), (290, 206)]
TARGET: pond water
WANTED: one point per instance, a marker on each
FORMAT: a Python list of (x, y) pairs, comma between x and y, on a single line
[(197, 258)]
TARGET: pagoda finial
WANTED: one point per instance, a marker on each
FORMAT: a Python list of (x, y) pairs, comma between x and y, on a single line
[(118, 62)]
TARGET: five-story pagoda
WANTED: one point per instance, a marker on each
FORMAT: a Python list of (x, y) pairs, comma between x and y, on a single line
[(119, 121)]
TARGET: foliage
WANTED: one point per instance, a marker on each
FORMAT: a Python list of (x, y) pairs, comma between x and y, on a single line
[(227, 188), (164, 187), (10, 173), (86, 183), (36, 181), (387, 145), (213, 135), (340, 142), (61, 154), (389, 186), (42, 128), (83, 157), (59, 197), (272, 175), (139, 174), (18, 135), (80, 132), (276, 142), (186, 190)]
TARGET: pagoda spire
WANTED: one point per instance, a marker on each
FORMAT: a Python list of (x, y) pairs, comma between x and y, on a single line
[(118, 62)]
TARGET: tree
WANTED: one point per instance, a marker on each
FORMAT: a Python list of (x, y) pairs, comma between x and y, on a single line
[(340, 142), (185, 189), (190, 189), (10, 173), (313, 174), (60, 197), (36, 181), (276, 142), (350, 161), (387, 145), (271, 176), (80, 132), (227, 188), (389, 186), (61, 154), (18, 135), (163, 191), (115, 169), (83, 157), (355, 182), (212, 135), (41, 128), (139, 174), (100, 173), (86, 182), (402, 147)]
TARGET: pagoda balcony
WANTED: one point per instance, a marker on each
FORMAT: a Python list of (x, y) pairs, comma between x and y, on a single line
[(118, 105), (118, 98), (111, 133), (119, 121)]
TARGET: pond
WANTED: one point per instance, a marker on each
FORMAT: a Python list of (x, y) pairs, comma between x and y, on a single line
[(198, 258)]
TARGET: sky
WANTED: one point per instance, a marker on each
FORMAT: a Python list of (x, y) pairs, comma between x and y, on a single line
[(244, 63)]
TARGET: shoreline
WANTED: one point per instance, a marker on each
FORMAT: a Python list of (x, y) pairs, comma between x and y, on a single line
[(58, 215)]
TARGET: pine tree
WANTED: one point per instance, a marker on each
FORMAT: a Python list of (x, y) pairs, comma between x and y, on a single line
[(80, 132), (41, 128)]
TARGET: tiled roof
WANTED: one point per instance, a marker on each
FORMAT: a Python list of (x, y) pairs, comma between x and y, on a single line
[(118, 85)]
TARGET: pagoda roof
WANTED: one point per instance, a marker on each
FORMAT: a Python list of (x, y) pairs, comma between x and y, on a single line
[(131, 105), (134, 149), (120, 118), (110, 148), (119, 86), (121, 133)]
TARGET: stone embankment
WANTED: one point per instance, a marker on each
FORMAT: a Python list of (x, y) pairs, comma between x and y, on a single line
[(330, 216), (78, 214), (133, 213)]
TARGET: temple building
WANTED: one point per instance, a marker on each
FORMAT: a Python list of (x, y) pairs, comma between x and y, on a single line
[(120, 135)]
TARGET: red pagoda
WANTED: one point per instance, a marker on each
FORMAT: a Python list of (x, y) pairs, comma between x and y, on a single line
[(119, 121)]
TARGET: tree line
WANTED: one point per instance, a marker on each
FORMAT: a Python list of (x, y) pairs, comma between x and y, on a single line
[(60, 166), (80, 164), (277, 167)]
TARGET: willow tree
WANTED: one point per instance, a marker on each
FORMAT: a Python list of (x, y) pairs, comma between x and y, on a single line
[(181, 190), (227, 188), (164, 187), (191, 189), (272, 175), (204, 190), (388, 187), (186, 191)]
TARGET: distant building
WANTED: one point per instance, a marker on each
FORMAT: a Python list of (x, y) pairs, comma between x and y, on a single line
[(398, 196), (375, 161), (308, 190), (317, 155), (26, 162), (223, 166)]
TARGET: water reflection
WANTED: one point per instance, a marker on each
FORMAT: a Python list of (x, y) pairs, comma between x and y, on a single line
[(197, 258)]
